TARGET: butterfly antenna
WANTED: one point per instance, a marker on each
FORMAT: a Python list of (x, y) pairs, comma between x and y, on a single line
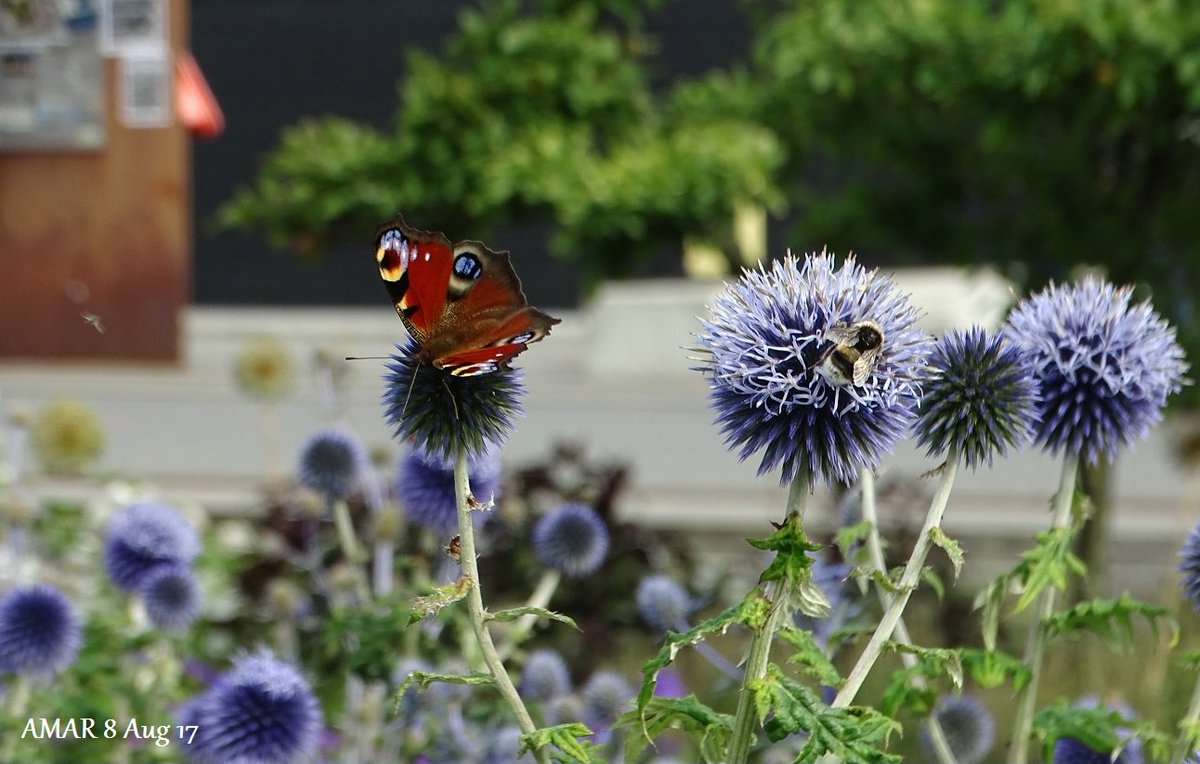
[(450, 395), (411, 383), (368, 358)]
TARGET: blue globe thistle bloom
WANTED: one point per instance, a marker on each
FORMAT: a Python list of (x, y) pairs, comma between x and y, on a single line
[(40, 631), (330, 463), (1189, 566), (260, 712), (1103, 366), (425, 486), (605, 697), (571, 539), (545, 676), (445, 414), (980, 399), (144, 537), (663, 603), (764, 344), (969, 728), (171, 595)]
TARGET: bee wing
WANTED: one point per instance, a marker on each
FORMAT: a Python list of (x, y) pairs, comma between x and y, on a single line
[(841, 334), (863, 366)]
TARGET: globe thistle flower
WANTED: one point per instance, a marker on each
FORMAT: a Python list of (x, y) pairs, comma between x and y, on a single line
[(764, 345), (1189, 566), (545, 676), (1102, 365), (265, 369), (663, 603), (979, 400), (425, 486), (330, 464), (262, 711), (968, 726), (444, 414), (40, 631), (571, 539), (171, 595), (67, 437), (143, 538), (605, 697)]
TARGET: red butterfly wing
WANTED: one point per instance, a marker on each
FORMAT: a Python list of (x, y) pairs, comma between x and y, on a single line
[(415, 268)]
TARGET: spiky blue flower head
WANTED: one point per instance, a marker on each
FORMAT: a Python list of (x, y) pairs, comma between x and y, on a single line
[(261, 712), (968, 725), (40, 631), (1189, 566), (764, 341), (445, 414), (1103, 366), (144, 537), (425, 486), (545, 676), (979, 400), (572, 539), (331, 462), (663, 603), (171, 596), (605, 697)]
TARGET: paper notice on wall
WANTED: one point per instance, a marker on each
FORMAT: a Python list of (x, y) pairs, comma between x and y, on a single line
[(132, 26), (144, 85)]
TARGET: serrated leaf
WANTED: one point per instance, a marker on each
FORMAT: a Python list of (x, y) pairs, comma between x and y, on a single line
[(709, 729), (912, 687), (1095, 727), (950, 547), (1047, 564), (512, 614), (791, 546), (851, 536), (853, 734), (430, 604), (422, 679), (991, 668), (809, 655), (930, 576), (565, 741), (990, 601), (1111, 620)]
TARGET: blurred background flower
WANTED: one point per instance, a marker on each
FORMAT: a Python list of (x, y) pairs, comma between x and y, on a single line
[(331, 463), (264, 369), (171, 596), (40, 631), (968, 726), (425, 486), (571, 539), (146, 536), (67, 436)]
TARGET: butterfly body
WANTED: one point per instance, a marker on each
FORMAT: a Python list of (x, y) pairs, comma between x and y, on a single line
[(461, 302), (853, 354)]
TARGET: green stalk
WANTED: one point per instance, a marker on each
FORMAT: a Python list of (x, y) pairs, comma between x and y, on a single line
[(744, 723), (1188, 723), (478, 616), (1035, 646), (908, 583), (350, 549), (866, 482)]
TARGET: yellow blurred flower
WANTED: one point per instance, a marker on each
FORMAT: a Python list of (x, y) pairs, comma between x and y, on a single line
[(67, 436), (265, 369)]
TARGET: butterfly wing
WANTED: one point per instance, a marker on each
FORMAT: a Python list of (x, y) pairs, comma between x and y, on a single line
[(462, 303)]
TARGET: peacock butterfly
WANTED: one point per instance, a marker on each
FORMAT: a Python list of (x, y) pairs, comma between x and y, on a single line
[(461, 302)]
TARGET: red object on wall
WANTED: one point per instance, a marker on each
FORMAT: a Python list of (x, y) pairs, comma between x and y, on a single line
[(194, 100)]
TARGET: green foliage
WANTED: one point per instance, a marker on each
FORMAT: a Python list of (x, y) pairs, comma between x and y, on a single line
[(1112, 620), (565, 741), (441, 596), (422, 679), (511, 614), (811, 658), (709, 729), (915, 688), (853, 734), (1099, 728), (790, 569), (950, 546), (1034, 134), (1046, 564), (366, 637), (532, 111)]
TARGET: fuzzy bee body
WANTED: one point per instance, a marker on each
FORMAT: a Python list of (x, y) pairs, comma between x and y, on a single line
[(852, 354)]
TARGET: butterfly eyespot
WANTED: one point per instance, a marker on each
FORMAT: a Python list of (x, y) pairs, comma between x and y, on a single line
[(522, 337), (467, 266)]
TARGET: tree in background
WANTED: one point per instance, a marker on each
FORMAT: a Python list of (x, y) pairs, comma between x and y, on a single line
[(534, 111)]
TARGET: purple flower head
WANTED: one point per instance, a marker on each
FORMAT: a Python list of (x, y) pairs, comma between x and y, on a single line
[(171, 595), (968, 725), (765, 342), (445, 414), (261, 712), (663, 603), (571, 539), (330, 463), (1103, 366), (144, 537), (605, 697), (1189, 566), (425, 486), (980, 399), (545, 676), (40, 631)]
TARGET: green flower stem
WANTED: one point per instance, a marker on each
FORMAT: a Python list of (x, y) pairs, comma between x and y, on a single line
[(17, 701), (466, 534), (1183, 745), (546, 586), (866, 482), (908, 583), (350, 548), (745, 721), (1035, 647)]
